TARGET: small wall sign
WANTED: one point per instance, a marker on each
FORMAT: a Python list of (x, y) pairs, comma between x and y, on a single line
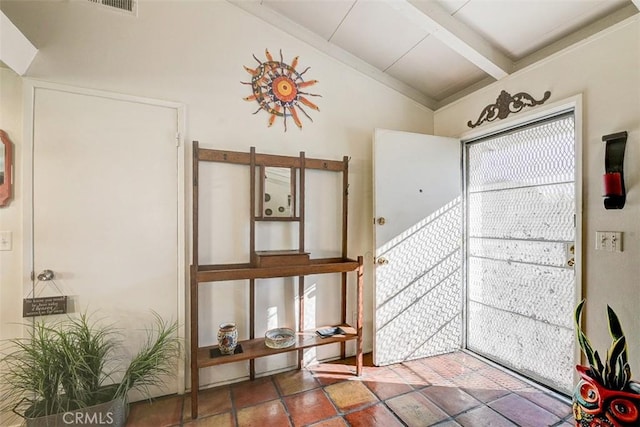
[(44, 306)]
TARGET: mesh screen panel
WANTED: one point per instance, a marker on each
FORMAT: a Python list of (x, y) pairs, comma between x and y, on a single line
[(520, 205)]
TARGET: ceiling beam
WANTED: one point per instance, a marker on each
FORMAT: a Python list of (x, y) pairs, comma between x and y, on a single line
[(16, 51), (254, 7), (579, 36), (457, 36)]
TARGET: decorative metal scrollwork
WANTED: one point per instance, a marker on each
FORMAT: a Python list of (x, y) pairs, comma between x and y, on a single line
[(507, 104)]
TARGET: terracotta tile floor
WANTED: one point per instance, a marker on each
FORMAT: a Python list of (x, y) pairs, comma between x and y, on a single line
[(455, 389)]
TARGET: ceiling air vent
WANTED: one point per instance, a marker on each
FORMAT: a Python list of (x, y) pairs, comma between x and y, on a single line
[(129, 6)]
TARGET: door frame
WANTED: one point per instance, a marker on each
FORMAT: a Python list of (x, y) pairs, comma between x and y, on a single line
[(29, 95), (573, 103)]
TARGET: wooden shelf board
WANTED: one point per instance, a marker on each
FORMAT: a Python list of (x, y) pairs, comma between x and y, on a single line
[(275, 218), (281, 252), (216, 273), (257, 348), (242, 158)]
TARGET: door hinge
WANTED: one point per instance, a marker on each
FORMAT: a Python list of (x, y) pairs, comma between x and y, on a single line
[(33, 275), (178, 138)]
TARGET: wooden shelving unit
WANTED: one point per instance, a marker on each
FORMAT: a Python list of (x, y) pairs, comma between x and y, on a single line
[(272, 264), (256, 348)]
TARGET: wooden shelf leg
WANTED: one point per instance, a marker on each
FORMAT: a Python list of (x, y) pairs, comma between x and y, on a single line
[(194, 395), (359, 320), (193, 287), (195, 381), (343, 346), (301, 316), (252, 324), (345, 222)]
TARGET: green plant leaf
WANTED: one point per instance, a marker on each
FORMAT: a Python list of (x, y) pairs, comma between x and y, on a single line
[(597, 368), (615, 329), (154, 360), (578, 314), (615, 373), (623, 375), (627, 375), (614, 361), (585, 345), (64, 365)]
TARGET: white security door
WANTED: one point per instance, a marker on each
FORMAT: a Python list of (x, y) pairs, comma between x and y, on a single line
[(418, 237), (106, 209), (520, 201)]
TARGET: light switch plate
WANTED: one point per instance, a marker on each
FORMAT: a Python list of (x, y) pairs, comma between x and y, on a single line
[(6, 241), (610, 241), (601, 241), (615, 241)]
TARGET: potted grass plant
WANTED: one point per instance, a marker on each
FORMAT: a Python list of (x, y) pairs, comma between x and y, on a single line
[(72, 372), (605, 394)]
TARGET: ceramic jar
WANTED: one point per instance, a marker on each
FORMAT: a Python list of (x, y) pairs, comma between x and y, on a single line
[(597, 406), (227, 338)]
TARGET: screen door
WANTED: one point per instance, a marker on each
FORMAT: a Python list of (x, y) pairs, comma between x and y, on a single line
[(520, 222)]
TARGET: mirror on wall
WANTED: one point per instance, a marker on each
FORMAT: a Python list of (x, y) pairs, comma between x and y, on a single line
[(278, 196), (6, 162)]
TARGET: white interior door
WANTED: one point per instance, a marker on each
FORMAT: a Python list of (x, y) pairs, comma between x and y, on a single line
[(418, 237), (106, 209)]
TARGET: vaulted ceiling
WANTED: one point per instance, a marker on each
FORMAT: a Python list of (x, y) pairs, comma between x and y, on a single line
[(436, 51)]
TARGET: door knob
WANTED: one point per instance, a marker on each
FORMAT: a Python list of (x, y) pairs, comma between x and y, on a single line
[(381, 221), (570, 251), (46, 275), (382, 261)]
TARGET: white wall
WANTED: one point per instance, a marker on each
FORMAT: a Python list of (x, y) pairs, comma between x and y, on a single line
[(11, 274), (193, 52), (11, 262), (606, 71)]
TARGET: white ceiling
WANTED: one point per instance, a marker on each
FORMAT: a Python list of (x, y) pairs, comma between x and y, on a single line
[(436, 51)]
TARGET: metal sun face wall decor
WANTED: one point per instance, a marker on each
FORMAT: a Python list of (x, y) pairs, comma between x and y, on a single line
[(278, 88)]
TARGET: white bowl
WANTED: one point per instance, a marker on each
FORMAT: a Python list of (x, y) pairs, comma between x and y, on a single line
[(280, 338)]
